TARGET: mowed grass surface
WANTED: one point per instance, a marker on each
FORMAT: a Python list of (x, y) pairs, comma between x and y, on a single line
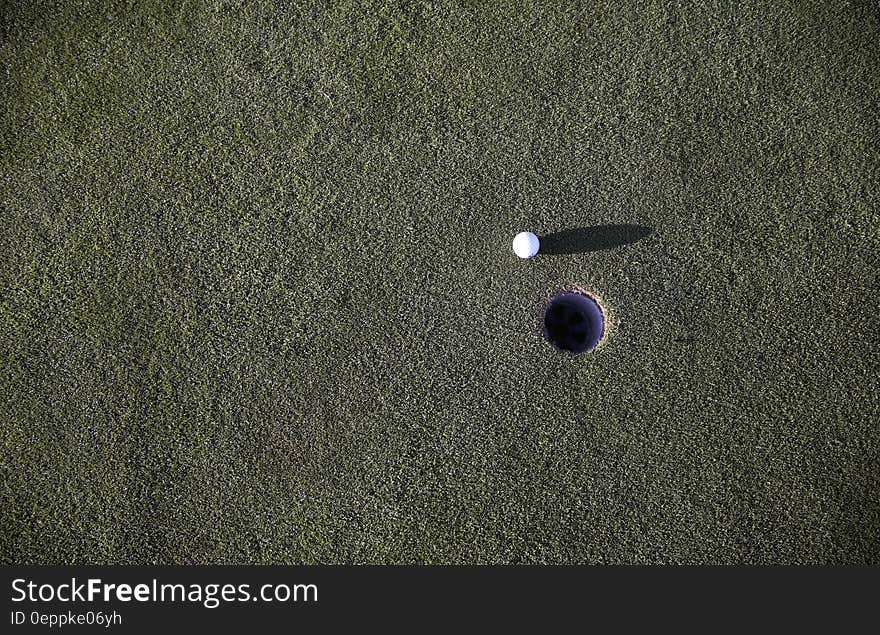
[(259, 303)]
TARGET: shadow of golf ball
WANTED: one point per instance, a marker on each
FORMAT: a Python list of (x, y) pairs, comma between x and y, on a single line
[(574, 322)]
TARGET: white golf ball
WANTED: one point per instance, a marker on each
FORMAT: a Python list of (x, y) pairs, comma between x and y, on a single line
[(526, 244)]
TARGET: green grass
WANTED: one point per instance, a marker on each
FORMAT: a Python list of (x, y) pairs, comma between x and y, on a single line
[(258, 303)]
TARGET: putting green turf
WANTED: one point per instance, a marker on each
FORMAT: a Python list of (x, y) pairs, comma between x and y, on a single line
[(259, 303)]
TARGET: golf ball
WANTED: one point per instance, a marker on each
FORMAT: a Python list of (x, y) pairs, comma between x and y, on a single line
[(526, 244)]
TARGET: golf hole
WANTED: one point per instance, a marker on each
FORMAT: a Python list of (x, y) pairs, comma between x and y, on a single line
[(574, 322)]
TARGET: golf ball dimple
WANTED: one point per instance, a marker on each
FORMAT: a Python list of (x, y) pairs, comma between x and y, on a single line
[(526, 244)]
